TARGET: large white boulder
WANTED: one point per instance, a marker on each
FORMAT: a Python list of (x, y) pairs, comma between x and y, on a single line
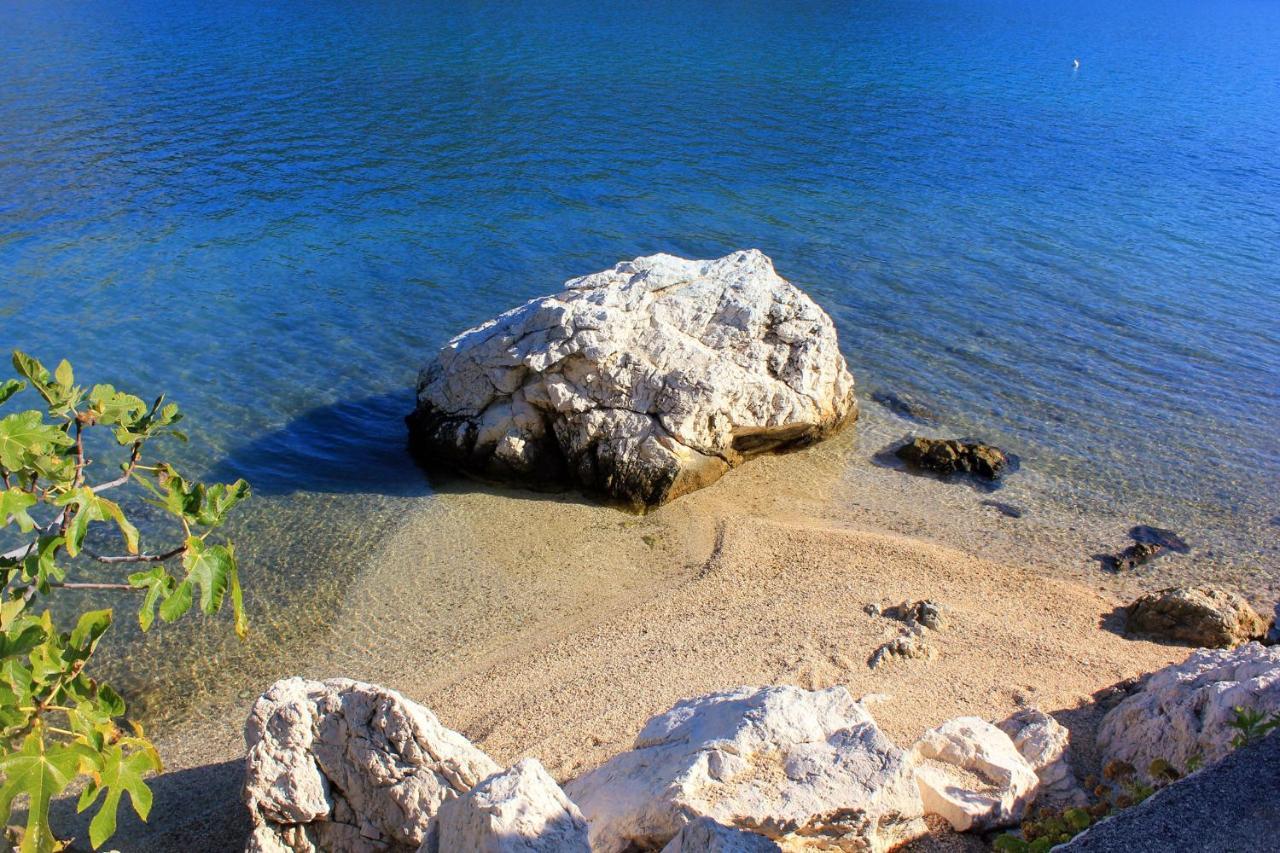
[(346, 767), (520, 810), (971, 774), (1186, 709), (780, 761), (1044, 743), (640, 383)]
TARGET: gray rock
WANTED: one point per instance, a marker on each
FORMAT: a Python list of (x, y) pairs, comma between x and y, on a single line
[(779, 761), (1045, 744), (520, 810), (704, 835), (910, 644), (346, 767), (640, 383), (1186, 709)]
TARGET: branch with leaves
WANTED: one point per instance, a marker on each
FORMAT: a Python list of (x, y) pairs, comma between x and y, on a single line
[(57, 723)]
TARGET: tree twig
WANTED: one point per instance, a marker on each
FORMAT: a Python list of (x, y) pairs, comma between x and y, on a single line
[(139, 558)]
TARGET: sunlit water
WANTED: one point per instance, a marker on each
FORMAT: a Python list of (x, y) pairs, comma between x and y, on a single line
[(275, 213)]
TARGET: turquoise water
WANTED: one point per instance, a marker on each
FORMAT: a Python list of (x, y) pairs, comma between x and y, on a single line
[(275, 212)]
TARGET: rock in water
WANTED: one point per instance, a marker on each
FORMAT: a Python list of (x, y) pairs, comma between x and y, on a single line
[(948, 456), (704, 835), (346, 767), (779, 761), (970, 773), (1187, 709), (640, 383), (1198, 616), (521, 810)]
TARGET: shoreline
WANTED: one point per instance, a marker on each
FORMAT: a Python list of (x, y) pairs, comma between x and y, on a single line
[(574, 623)]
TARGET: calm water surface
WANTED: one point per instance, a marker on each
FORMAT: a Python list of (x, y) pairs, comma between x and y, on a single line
[(275, 212)]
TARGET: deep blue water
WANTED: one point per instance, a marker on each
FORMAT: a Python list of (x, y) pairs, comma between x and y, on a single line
[(276, 211)]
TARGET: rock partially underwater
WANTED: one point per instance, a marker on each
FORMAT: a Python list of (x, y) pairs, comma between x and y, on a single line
[(640, 383), (947, 456)]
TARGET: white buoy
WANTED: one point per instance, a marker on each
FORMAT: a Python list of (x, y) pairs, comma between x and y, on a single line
[(1076, 62)]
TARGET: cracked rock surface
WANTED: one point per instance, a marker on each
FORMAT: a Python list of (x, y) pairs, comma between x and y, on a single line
[(347, 767), (640, 383), (1186, 709), (807, 768)]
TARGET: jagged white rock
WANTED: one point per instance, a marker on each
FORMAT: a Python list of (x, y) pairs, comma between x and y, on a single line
[(347, 767), (780, 761), (1186, 709), (970, 773), (642, 383), (520, 810), (1044, 742), (704, 835)]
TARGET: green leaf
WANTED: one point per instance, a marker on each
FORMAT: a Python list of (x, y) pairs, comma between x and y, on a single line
[(159, 585), (14, 504), (110, 406), (177, 603), (209, 567), (9, 387), (89, 629), (218, 500), (91, 507), (30, 368), (237, 598), (25, 436), (64, 375), (40, 771), (121, 772), (39, 566)]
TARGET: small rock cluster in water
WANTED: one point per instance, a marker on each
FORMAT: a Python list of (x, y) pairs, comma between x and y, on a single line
[(947, 456)]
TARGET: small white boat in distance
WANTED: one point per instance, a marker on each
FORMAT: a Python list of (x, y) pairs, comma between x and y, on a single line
[(1075, 63)]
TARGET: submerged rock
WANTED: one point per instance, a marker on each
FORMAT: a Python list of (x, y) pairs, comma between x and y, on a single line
[(779, 761), (970, 773), (1137, 554), (346, 767), (905, 406), (640, 383), (520, 810), (1044, 743), (1186, 710), (1198, 616), (948, 456)]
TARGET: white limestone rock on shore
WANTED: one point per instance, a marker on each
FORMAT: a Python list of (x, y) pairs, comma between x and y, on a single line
[(970, 773), (640, 383), (1186, 709), (346, 767), (1044, 743), (704, 835), (520, 810), (779, 761)]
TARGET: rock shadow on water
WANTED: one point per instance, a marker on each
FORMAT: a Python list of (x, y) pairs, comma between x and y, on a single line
[(888, 458), (349, 447)]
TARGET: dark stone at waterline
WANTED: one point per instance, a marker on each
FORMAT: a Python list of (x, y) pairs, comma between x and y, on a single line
[(1197, 616), (948, 456), (1137, 554), (904, 406), (1145, 534)]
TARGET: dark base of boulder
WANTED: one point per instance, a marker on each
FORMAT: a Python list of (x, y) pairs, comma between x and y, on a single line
[(947, 456), (446, 444)]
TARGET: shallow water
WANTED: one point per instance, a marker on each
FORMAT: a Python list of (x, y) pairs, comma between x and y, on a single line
[(276, 213)]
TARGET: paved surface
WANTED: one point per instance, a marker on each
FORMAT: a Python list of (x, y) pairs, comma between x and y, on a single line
[(1230, 807)]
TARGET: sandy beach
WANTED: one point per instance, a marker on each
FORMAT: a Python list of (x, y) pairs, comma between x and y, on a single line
[(578, 622)]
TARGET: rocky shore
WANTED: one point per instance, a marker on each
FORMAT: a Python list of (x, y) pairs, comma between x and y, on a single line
[(775, 660)]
